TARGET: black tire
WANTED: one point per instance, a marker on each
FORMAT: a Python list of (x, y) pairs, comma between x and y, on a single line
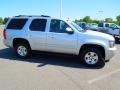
[(100, 62), (27, 50), (117, 39)]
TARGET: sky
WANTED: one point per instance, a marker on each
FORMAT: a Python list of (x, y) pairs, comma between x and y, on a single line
[(73, 9)]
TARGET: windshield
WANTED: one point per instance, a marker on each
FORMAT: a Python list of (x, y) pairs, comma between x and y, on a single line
[(77, 26), (114, 26)]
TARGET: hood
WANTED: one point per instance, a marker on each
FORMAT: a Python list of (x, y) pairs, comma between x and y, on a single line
[(99, 34)]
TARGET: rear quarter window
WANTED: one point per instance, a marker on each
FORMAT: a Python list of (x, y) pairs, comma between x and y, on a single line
[(38, 25), (16, 24)]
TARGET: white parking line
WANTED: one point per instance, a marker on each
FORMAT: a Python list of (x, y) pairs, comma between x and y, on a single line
[(103, 76)]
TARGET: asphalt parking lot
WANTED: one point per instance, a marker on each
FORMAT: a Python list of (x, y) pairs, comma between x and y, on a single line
[(52, 72)]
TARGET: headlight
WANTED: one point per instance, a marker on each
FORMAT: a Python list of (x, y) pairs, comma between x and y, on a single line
[(111, 44)]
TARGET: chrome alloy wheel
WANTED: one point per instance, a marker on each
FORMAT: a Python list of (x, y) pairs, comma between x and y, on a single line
[(91, 58), (22, 51)]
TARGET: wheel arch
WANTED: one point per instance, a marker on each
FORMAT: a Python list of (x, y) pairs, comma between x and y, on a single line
[(20, 40), (99, 47)]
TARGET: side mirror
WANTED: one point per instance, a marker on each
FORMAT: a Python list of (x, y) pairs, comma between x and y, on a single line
[(69, 30)]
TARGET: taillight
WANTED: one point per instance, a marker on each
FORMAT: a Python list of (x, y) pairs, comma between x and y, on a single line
[(4, 34)]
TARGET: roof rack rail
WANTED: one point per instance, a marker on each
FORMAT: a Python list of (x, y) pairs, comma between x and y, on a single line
[(44, 16), (21, 15), (32, 16)]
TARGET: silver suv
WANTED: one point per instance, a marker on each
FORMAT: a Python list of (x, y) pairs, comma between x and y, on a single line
[(43, 33)]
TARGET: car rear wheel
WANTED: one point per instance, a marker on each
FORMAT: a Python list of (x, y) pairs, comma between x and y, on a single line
[(22, 50), (92, 57)]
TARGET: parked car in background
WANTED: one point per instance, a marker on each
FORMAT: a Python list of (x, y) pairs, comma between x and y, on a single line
[(110, 28), (93, 26), (43, 33), (88, 26), (84, 25)]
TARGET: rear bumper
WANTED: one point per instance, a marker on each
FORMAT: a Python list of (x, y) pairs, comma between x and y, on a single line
[(7, 43)]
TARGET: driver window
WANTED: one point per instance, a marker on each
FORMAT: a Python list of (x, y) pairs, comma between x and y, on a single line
[(58, 26)]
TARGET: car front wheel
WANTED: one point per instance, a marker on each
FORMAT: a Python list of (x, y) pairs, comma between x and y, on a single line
[(92, 57)]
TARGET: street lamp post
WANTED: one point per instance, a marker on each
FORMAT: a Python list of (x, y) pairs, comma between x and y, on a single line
[(101, 14), (61, 8)]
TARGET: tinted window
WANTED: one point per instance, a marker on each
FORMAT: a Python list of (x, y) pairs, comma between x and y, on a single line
[(100, 25), (83, 25), (38, 25), (58, 26), (106, 25), (113, 26), (17, 24)]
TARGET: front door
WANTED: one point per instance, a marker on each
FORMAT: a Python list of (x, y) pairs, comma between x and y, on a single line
[(58, 40)]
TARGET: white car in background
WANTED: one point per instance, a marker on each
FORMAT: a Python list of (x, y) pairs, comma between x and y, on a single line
[(110, 28)]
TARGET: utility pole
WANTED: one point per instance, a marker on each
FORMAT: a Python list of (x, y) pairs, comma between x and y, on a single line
[(101, 14), (61, 8)]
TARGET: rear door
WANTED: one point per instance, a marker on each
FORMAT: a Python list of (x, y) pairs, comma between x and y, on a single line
[(37, 34), (60, 41)]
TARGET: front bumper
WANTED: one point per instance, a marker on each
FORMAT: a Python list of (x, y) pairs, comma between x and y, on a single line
[(110, 53)]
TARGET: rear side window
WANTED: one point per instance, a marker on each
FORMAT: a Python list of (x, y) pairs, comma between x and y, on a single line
[(17, 24), (100, 25), (38, 25)]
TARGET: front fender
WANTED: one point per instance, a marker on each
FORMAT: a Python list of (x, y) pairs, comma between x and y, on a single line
[(101, 43)]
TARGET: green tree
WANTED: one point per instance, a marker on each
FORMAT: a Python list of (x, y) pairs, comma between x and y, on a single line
[(1, 20), (5, 20), (77, 21), (118, 19), (95, 21), (81, 20), (109, 20), (87, 19)]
